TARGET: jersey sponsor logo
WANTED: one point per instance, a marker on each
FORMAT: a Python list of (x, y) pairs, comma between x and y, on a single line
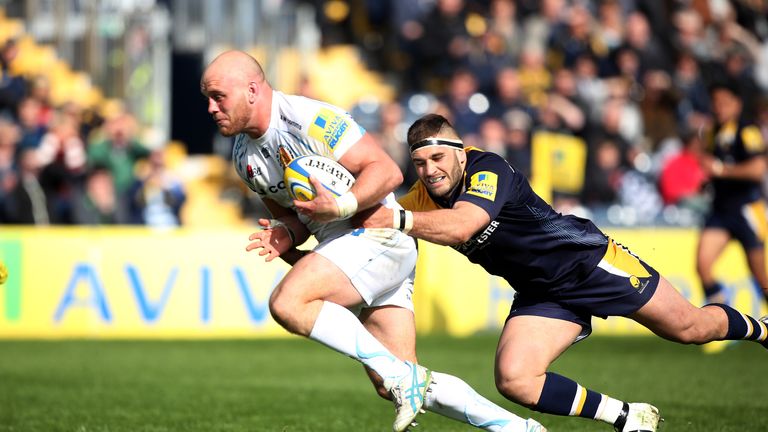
[(478, 241), (272, 189), (290, 122), (483, 184), (328, 127)]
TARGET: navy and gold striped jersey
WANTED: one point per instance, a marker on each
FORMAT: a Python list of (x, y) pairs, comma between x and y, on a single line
[(527, 243), (733, 143)]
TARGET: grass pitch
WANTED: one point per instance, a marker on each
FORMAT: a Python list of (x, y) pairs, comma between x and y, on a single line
[(295, 385)]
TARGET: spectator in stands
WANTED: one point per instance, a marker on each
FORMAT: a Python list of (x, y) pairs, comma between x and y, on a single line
[(658, 107), (609, 30), (62, 159), (503, 22), (27, 202), (118, 150), (589, 86), (689, 84), (535, 77), (492, 136), (32, 131), (461, 88), (682, 178), (518, 152), (8, 174), (96, 203), (443, 42), (566, 100), (157, 196), (13, 87), (652, 54), (40, 90), (601, 186), (575, 39), (508, 94), (391, 136)]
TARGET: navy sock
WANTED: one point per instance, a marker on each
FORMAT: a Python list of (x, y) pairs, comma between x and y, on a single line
[(563, 396), (712, 289), (742, 326)]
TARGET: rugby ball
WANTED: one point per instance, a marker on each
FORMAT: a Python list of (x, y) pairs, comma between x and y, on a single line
[(334, 177)]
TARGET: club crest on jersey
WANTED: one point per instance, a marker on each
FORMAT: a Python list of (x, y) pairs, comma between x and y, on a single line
[(249, 171), (483, 184), (328, 127)]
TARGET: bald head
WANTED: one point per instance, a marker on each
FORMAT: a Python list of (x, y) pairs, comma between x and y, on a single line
[(239, 97), (236, 64)]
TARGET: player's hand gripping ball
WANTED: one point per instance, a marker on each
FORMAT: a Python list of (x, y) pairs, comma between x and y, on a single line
[(331, 174), (3, 273)]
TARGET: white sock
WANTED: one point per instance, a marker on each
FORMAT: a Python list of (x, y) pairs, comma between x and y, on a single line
[(454, 398), (338, 328), (609, 410)]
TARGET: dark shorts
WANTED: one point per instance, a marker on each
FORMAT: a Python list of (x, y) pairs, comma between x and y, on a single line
[(747, 224), (620, 285)]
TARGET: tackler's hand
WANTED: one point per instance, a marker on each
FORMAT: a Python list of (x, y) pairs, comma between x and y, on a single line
[(377, 216)]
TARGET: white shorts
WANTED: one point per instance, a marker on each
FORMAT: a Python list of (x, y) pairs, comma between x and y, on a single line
[(380, 265)]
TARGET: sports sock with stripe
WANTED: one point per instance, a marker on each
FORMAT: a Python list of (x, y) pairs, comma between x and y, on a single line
[(338, 328), (742, 326), (452, 397), (563, 396)]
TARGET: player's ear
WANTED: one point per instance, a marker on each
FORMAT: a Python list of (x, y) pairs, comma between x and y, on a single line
[(253, 91), (462, 157)]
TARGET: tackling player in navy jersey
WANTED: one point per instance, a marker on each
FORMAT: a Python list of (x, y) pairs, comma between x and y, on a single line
[(737, 167), (564, 269)]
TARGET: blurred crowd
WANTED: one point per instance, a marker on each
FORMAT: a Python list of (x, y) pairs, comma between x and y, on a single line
[(618, 89), (64, 165)]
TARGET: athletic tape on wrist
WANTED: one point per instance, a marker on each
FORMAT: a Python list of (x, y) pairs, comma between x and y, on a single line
[(347, 205), (402, 220), (408, 224), (274, 223)]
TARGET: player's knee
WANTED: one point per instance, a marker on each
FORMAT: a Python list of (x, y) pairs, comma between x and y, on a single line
[(517, 387), (281, 308)]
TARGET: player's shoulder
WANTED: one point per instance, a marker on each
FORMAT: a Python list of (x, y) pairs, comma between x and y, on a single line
[(481, 159), (417, 199), (752, 138)]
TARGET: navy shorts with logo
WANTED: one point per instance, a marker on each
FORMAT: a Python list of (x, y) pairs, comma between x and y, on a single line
[(620, 285), (747, 223)]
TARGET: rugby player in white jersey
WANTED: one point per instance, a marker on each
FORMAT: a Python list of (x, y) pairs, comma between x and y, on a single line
[(366, 271)]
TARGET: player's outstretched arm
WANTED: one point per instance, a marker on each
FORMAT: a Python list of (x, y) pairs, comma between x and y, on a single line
[(445, 227)]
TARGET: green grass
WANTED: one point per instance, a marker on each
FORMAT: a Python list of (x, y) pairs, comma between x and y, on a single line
[(296, 385)]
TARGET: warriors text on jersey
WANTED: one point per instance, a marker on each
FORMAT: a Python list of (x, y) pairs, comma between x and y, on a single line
[(527, 243), (298, 126)]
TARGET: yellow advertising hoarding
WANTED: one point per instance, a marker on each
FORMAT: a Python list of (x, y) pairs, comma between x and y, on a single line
[(140, 283)]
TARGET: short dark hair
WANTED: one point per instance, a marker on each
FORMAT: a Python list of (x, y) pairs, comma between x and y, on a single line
[(429, 126), (726, 84)]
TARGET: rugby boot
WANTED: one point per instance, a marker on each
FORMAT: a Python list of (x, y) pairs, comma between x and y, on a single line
[(638, 417)]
